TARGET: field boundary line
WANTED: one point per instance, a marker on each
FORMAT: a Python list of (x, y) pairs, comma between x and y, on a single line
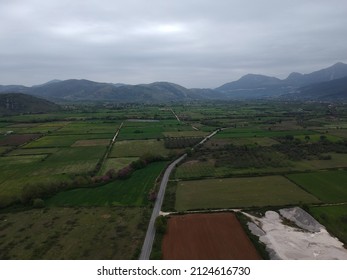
[(109, 148)]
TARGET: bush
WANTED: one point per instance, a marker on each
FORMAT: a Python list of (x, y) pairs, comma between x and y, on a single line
[(161, 225), (38, 203)]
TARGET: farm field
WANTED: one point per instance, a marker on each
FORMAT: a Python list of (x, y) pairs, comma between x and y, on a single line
[(256, 132), (328, 186), (334, 218), (56, 183), (336, 161), (64, 140), (217, 236), (150, 129), (56, 233), (138, 148), (116, 164), (131, 192), (17, 139), (239, 192)]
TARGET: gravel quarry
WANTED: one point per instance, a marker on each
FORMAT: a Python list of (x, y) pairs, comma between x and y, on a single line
[(293, 234)]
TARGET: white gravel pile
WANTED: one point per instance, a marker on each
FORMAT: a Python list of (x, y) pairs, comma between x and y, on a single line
[(308, 240)]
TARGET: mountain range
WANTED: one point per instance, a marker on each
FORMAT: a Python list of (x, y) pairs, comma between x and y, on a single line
[(19, 103), (325, 84)]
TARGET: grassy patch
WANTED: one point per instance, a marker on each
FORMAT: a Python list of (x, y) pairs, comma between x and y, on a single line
[(40, 151), (334, 218), (130, 192), (256, 132), (328, 186), (91, 143), (239, 192), (137, 148), (64, 141), (195, 169), (116, 163), (192, 133), (108, 233), (336, 161)]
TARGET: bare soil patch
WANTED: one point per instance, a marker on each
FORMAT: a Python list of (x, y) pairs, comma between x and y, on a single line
[(18, 139), (217, 236)]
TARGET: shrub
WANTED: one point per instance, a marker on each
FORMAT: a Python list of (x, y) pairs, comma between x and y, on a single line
[(38, 203)]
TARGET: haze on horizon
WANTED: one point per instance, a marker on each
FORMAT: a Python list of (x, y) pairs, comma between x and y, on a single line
[(195, 43)]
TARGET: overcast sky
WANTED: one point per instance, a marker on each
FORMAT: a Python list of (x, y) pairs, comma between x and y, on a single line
[(195, 43)]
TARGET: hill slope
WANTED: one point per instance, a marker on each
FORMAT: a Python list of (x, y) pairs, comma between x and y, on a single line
[(253, 86), (17, 103), (334, 90)]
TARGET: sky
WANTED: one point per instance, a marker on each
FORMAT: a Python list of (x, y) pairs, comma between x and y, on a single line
[(195, 43)]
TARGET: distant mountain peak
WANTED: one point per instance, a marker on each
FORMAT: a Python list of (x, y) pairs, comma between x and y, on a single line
[(294, 75)]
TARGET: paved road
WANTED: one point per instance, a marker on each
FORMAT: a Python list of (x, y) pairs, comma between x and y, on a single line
[(148, 243)]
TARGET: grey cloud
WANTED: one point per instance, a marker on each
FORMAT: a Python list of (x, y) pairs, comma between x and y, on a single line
[(197, 43)]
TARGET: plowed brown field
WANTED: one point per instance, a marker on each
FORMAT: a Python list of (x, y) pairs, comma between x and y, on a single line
[(217, 236)]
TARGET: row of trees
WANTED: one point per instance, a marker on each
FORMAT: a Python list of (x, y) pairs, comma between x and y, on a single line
[(181, 142), (32, 192)]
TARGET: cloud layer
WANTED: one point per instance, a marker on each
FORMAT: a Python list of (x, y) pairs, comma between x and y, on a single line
[(196, 43)]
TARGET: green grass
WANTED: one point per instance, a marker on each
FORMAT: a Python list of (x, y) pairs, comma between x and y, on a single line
[(195, 169), (37, 127), (256, 132), (192, 133), (141, 132), (137, 148), (336, 161), (71, 160), (40, 151), (334, 218), (151, 130), (328, 186), (116, 163), (104, 233), (3, 149), (96, 127), (64, 141), (129, 192), (239, 192), (18, 171)]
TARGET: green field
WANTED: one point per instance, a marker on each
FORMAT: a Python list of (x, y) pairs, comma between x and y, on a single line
[(150, 129), (129, 192), (56, 233), (256, 132), (65, 167), (89, 128), (192, 133), (334, 218), (116, 163), (328, 186), (18, 171), (138, 148), (64, 141), (239, 192), (336, 161), (195, 169), (39, 151)]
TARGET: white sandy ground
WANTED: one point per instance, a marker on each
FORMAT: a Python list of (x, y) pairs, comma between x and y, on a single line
[(291, 243)]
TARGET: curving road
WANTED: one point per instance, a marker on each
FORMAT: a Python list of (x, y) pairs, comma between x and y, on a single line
[(148, 243)]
